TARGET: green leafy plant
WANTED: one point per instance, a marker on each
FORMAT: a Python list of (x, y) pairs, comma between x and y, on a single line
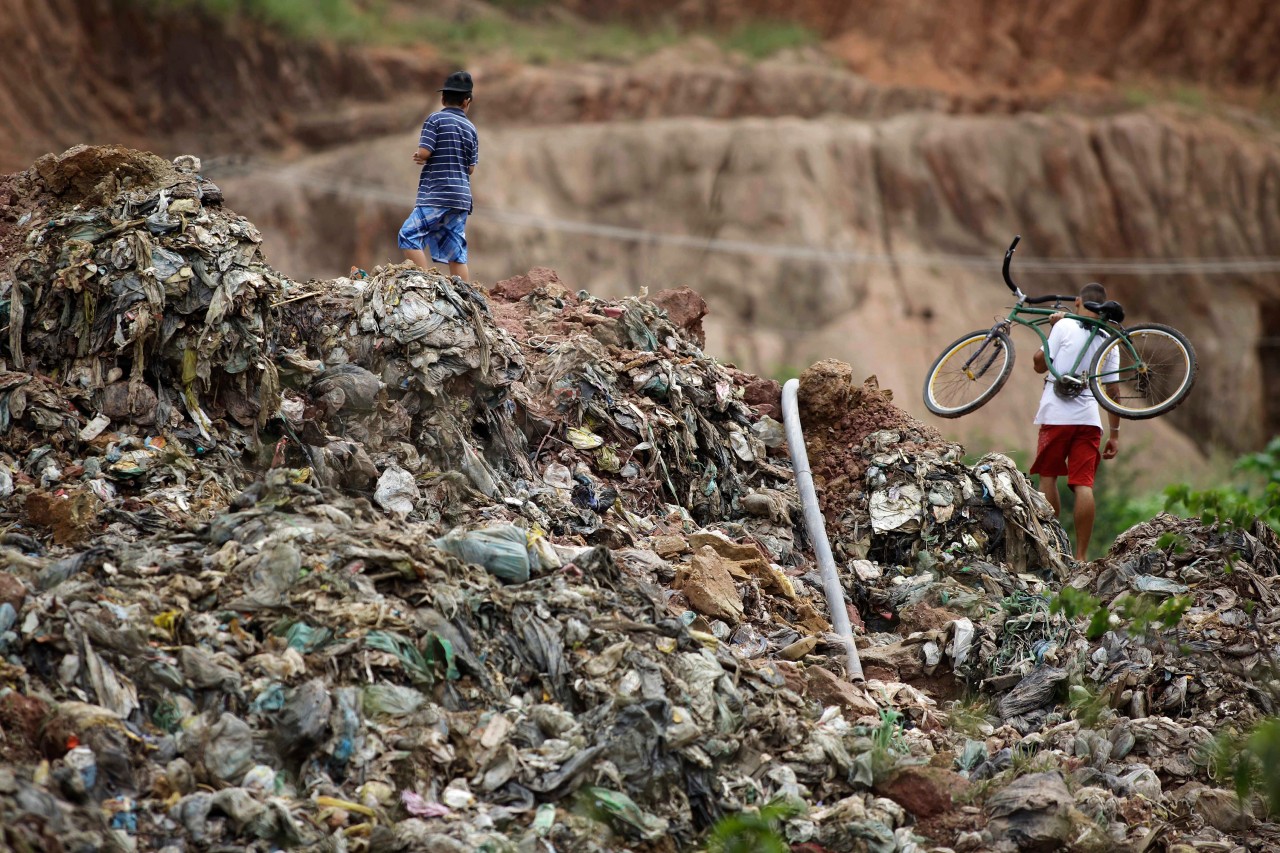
[(968, 715), (518, 28), (887, 744), (1236, 506), (1139, 614), (1087, 704), (1249, 761), (751, 831), (761, 39)]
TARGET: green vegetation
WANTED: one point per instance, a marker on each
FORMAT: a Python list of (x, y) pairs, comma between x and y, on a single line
[(1191, 97), (762, 39), (754, 831), (1249, 761), (340, 20), (1238, 505), (1138, 614), (888, 746), (488, 29), (785, 372), (969, 714)]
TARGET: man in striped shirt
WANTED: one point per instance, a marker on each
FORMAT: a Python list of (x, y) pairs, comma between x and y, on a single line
[(448, 151)]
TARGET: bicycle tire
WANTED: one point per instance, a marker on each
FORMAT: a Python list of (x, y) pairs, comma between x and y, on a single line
[(1166, 380), (939, 381)]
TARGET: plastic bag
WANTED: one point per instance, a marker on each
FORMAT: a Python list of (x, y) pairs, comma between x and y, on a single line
[(396, 491), (502, 550)]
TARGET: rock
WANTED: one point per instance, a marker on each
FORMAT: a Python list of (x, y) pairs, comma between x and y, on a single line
[(723, 546), (825, 687), (901, 661), (762, 392), (71, 514), (924, 791), (706, 582), (685, 308), (21, 718), (798, 649), (1034, 812), (668, 547), (923, 617), (139, 409), (743, 562), (518, 287), (1223, 810), (12, 591)]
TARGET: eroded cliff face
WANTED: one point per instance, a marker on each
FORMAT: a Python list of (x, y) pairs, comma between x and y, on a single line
[(132, 72), (1013, 43), (1152, 184)]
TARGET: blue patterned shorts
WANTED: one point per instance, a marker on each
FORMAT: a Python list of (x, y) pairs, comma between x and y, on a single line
[(439, 231)]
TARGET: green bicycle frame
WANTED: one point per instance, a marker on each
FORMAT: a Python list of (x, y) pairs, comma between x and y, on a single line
[(1097, 327)]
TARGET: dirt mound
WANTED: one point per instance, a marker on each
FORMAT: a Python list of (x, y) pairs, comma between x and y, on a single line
[(839, 415)]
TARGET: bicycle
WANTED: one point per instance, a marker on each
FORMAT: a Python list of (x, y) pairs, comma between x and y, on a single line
[(1152, 371)]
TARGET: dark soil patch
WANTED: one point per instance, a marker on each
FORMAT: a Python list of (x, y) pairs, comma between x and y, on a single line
[(20, 720)]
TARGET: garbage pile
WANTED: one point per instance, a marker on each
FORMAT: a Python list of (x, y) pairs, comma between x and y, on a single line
[(392, 563)]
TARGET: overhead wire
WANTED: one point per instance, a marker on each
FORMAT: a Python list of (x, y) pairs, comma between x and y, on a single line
[(330, 183)]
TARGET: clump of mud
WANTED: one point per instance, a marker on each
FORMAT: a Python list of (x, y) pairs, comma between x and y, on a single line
[(839, 413)]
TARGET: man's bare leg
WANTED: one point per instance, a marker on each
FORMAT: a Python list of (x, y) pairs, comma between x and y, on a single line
[(1049, 485), (1084, 519), (417, 256), (460, 270)]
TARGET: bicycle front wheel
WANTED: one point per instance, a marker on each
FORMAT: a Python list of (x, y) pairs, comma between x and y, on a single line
[(1155, 371), (968, 373)]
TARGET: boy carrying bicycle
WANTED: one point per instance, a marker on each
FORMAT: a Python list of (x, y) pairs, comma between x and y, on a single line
[(1070, 428)]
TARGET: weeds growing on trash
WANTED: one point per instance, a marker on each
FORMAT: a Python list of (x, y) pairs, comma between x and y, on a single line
[(751, 831), (970, 715), (1250, 761), (1135, 614)]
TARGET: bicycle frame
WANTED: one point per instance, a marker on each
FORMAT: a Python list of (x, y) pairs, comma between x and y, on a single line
[(1097, 326)]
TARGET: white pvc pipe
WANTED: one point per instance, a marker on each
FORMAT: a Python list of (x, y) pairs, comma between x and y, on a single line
[(817, 528)]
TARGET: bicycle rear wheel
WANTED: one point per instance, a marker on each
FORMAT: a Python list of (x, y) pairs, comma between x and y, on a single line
[(1152, 378), (968, 373)]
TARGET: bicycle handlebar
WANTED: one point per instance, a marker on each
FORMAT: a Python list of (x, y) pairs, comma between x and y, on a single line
[(1008, 279), (1017, 291)]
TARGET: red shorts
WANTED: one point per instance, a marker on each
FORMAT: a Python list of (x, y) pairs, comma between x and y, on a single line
[(1070, 449)]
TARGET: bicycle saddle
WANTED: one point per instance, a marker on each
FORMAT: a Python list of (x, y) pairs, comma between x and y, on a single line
[(1111, 311)]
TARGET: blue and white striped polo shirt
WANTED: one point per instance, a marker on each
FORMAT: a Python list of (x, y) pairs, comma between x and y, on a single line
[(451, 138)]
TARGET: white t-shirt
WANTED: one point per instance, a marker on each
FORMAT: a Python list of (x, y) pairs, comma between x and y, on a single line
[(1066, 339)]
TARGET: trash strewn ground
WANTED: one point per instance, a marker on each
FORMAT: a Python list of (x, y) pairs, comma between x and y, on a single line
[(391, 562)]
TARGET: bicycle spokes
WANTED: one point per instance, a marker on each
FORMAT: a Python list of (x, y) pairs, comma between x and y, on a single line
[(969, 372), (1153, 371)]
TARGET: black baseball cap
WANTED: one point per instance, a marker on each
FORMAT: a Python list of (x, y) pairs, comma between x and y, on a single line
[(458, 81)]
